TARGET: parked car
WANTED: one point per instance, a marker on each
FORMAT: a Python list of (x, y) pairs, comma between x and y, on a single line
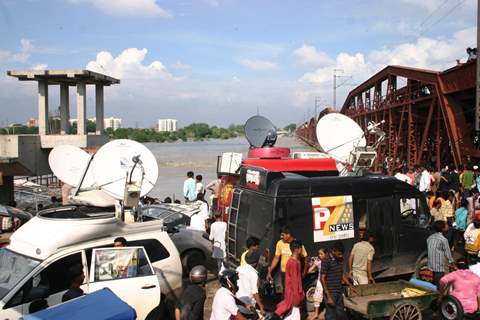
[(36, 262), (11, 219), (193, 245)]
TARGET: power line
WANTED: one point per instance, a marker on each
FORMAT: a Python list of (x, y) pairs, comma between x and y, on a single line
[(441, 18), (432, 13)]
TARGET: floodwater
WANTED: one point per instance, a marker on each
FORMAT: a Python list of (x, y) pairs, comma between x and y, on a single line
[(177, 158)]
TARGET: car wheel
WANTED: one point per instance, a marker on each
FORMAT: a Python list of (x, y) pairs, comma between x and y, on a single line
[(191, 259)]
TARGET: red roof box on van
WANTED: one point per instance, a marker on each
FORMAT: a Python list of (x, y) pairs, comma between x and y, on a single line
[(293, 165)]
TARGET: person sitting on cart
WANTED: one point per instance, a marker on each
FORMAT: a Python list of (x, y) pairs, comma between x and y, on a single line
[(465, 287), (360, 260)]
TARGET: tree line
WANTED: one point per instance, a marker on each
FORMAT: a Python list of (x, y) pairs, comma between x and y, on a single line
[(194, 131)]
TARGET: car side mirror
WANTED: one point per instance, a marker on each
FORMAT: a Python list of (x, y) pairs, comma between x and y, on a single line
[(38, 293)]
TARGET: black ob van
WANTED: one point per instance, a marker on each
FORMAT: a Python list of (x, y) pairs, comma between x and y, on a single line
[(263, 201)]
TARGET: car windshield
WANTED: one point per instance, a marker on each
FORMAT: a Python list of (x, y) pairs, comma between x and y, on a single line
[(158, 213), (168, 217), (13, 268)]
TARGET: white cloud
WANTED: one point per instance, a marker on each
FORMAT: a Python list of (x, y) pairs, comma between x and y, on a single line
[(309, 55), (350, 64), (26, 49), (426, 52), (181, 66), (128, 64), (258, 65), (40, 66), (123, 8), (213, 3), (436, 54)]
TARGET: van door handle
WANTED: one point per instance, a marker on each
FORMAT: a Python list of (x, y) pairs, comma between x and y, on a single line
[(148, 286)]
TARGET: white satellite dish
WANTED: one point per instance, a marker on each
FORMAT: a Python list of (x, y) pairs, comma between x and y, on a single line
[(115, 159), (68, 163), (338, 135)]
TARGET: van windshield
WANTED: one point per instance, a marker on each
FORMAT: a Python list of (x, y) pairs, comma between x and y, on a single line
[(13, 268)]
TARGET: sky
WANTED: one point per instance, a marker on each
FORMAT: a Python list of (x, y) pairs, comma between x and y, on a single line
[(219, 61)]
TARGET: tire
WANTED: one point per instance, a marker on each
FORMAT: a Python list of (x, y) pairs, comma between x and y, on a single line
[(451, 308), (160, 312), (192, 258)]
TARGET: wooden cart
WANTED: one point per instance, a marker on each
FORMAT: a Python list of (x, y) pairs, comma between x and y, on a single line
[(382, 300)]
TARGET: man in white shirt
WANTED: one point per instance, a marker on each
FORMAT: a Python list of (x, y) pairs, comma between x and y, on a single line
[(425, 180), (199, 188), (248, 281), (197, 220), (218, 234), (224, 305)]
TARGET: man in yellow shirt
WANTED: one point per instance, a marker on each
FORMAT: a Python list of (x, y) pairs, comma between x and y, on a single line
[(283, 253)]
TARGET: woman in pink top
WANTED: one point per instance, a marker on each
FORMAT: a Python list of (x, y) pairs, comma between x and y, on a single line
[(465, 285)]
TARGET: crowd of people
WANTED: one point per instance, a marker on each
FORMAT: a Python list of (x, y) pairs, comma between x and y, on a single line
[(241, 288), (453, 249), (452, 197)]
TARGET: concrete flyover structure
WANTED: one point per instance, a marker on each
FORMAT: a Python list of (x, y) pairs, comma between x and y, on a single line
[(28, 154)]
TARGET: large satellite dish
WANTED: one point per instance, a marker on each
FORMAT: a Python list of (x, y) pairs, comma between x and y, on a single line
[(69, 163), (260, 132), (114, 160), (338, 135)]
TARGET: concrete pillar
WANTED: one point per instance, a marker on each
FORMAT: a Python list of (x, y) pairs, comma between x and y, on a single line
[(42, 107), (81, 109), (6, 190), (99, 114), (64, 109)]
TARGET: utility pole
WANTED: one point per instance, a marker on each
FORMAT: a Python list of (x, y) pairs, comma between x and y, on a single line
[(477, 96), (317, 100), (335, 76)]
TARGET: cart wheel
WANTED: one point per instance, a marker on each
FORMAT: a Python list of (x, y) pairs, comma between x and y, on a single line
[(407, 311), (309, 295)]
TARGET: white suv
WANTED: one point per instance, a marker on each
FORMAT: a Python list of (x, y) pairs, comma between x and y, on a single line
[(36, 263)]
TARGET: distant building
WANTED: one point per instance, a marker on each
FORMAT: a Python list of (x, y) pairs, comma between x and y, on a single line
[(167, 125), (114, 123), (32, 123)]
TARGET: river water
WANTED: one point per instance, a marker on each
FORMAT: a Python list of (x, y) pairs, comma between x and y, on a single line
[(175, 159)]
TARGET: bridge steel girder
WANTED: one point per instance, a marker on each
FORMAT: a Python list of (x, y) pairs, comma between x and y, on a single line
[(427, 120), (418, 135)]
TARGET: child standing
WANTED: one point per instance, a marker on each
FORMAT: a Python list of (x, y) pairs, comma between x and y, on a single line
[(294, 294), (318, 295)]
